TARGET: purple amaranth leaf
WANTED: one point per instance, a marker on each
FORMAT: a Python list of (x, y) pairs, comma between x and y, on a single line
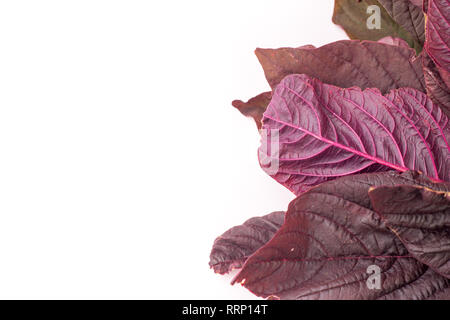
[(332, 240), (417, 3), (438, 34), (326, 132), (255, 107), (437, 71), (364, 64), (232, 249), (409, 15), (437, 89), (345, 64), (420, 218)]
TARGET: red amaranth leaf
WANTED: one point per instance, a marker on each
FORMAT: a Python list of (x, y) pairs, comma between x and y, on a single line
[(437, 89), (420, 218), (437, 42), (409, 15), (364, 64), (345, 64), (417, 2), (232, 249), (255, 107), (326, 132), (332, 240)]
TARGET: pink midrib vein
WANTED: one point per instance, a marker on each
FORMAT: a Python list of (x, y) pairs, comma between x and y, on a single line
[(341, 146)]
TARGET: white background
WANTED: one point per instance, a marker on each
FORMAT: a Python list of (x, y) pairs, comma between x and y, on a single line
[(121, 158)]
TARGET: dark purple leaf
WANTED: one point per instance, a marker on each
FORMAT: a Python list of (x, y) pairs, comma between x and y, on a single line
[(437, 89), (408, 15), (342, 63), (437, 47), (330, 243), (417, 3), (345, 64), (420, 218), (438, 34), (326, 132), (254, 107), (232, 249)]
